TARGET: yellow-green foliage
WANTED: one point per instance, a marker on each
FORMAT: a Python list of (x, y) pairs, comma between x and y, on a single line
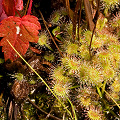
[(103, 64), (94, 67), (101, 23), (86, 71), (84, 52), (58, 75), (109, 4), (83, 72), (116, 85), (57, 15), (60, 89), (43, 40), (94, 115), (72, 49)]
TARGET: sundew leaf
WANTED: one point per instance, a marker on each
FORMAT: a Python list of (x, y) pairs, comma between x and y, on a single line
[(108, 72), (72, 48), (43, 40), (114, 48), (19, 32)]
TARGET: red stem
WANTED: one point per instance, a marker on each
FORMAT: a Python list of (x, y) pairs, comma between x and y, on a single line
[(18, 13)]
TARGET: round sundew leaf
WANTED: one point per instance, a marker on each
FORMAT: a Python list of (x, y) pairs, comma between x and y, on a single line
[(72, 48), (108, 72)]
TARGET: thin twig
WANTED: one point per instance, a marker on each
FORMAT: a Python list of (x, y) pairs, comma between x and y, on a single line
[(50, 33), (55, 118), (112, 99), (26, 7)]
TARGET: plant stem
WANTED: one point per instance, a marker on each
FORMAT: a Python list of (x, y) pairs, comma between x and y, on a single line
[(103, 87), (99, 92), (26, 7), (97, 14), (72, 107), (112, 99), (18, 13)]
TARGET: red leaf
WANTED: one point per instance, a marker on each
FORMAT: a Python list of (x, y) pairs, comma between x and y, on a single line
[(19, 4), (19, 32), (30, 7), (9, 7)]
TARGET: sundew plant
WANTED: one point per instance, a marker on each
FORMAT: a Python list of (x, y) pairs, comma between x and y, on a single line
[(72, 70)]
